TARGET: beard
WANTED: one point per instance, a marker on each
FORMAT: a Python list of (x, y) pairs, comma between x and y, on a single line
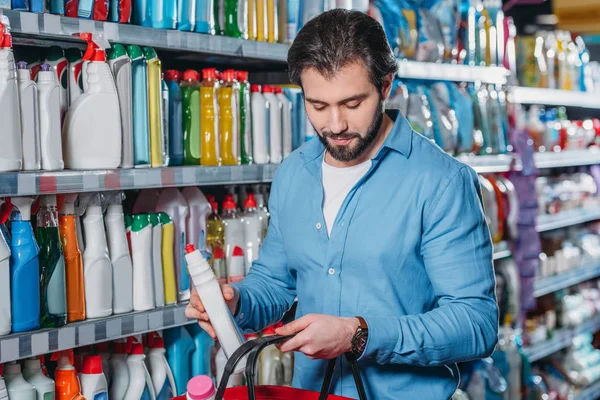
[(353, 150)]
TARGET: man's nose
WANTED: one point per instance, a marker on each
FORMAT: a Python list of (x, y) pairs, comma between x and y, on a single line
[(337, 121)]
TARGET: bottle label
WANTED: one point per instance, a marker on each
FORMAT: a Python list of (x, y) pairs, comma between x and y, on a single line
[(57, 302), (48, 396)]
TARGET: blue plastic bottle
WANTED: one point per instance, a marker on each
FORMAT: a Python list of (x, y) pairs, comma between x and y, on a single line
[(172, 78), (37, 6), (57, 7), (20, 5), (186, 15), (141, 12), (205, 20), (180, 347), (24, 269), (201, 356), (141, 131)]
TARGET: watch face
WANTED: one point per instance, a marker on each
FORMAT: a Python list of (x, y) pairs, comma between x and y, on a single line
[(362, 342)]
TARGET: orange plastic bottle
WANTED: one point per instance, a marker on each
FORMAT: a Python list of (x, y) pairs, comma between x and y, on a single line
[(209, 141), (65, 377), (73, 260), (228, 119)]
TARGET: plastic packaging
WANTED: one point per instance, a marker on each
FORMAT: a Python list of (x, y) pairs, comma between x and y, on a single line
[(160, 372), (257, 8), (140, 383), (5, 314), (120, 65), (286, 121), (235, 18), (141, 132), (253, 230), (186, 15), (55, 57), (236, 379), (50, 120), (200, 388), (120, 11), (260, 126), (205, 19), (233, 230), (74, 73), (201, 357), (245, 118), (190, 100), (141, 247), (118, 366), (67, 383), (272, 12), (30, 120), (180, 348), (217, 263), (93, 381), (228, 119), (44, 386), (199, 209), (214, 227), (18, 387), (157, 267), (271, 366), (168, 259), (209, 120), (157, 155), (275, 136), (174, 110)]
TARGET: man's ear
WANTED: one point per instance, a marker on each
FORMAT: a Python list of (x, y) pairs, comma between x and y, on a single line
[(386, 86)]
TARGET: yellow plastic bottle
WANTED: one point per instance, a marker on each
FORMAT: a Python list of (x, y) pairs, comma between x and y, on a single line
[(208, 129), (261, 25), (251, 20), (228, 120), (154, 99), (168, 258), (272, 28), (215, 230)]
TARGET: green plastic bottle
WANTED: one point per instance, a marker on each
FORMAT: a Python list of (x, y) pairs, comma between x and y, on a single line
[(190, 102), (53, 299), (245, 121), (234, 26)]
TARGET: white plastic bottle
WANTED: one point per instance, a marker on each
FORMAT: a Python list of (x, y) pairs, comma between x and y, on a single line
[(275, 145), (260, 119), (75, 73), (120, 65), (122, 276), (236, 266), (120, 371), (93, 381), (30, 120), (233, 232), (286, 121), (210, 293), (3, 389), (5, 312), (140, 383), (92, 128), (271, 367), (18, 387), (10, 135), (50, 132), (44, 386), (196, 221), (253, 230), (236, 379), (261, 209), (103, 350), (141, 254), (97, 268), (160, 372), (157, 265)]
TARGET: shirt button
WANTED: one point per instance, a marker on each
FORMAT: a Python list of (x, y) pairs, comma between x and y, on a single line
[(318, 225), (331, 271), (242, 316)]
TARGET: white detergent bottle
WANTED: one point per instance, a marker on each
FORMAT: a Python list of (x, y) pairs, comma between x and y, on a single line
[(160, 372), (286, 121), (157, 265), (118, 366), (75, 73), (236, 266), (103, 350), (210, 293), (10, 135), (141, 254), (140, 383), (92, 128), (30, 120), (33, 373), (3, 389), (97, 268), (275, 145), (50, 132), (271, 367), (118, 247), (55, 57), (199, 208), (93, 381), (236, 379), (5, 311), (18, 387), (260, 128), (233, 231), (253, 230)]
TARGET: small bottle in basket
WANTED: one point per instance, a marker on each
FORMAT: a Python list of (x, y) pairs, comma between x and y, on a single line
[(200, 388)]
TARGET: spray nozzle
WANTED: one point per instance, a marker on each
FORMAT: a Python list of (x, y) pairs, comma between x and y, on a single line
[(89, 199), (96, 47), (23, 206), (5, 36), (21, 65), (67, 203), (5, 210), (114, 197), (64, 358)]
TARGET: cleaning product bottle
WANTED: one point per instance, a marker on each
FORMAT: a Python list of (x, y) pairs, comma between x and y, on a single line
[(200, 388), (235, 19), (93, 381), (209, 141), (272, 30), (30, 120), (52, 266), (205, 19), (209, 291), (104, 351), (154, 100), (24, 268), (235, 379), (157, 267), (261, 209), (275, 145), (97, 267), (173, 203), (50, 119), (170, 14), (168, 244), (18, 387), (74, 73), (10, 152), (245, 120), (180, 348), (164, 119), (217, 263), (260, 125), (160, 372), (118, 365), (228, 95), (286, 121), (172, 78), (201, 356), (271, 367), (233, 231), (5, 315), (251, 19), (96, 145), (44, 386), (190, 101), (141, 130), (186, 15), (73, 260), (287, 360), (65, 376), (261, 21), (253, 230), (140, 383), (236, 265), (120, 65), (214, 227), (141, 247), (199, 209), (141, 11), (55, 57), (122, 269)]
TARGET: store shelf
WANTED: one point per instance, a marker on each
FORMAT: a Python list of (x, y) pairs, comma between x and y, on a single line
[(489, 164), (551, 284), (32, 183), (553, 97), (38, 29), (561, 339), (501, 250), (29, 344), (451, 72), (569, 158), (567, 218), (591, 392)]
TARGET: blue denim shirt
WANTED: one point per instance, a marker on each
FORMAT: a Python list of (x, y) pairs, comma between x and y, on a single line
[(410, 252)]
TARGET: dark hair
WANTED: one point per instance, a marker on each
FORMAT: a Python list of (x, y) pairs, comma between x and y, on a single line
[(338, 37)]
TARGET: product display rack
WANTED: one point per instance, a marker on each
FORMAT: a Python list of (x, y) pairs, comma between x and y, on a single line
[(501, 250), (552, 284), (564, 219), (569, 158), (451, 72), (554, 97), (29, 344), (591, 392)]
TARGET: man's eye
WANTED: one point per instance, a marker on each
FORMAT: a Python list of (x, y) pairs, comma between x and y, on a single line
[(319, 108), (353, 106)]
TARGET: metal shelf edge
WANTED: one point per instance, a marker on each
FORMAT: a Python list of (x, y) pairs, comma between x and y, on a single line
[(566, 218), (551, 284), (591, 392), (554, 97), (569, 158), (451, 72)]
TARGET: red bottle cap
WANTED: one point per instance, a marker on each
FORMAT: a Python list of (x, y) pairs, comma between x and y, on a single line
[(254, 88), (191, 75), (238, 252), (102, 347), (92, 365), (189, 248), (277, 89), (229, 203), (214, 205), (242, 76), (270, 330), (250, 201), (120, 348), (218, 254), (209, 73), (158, 343), (267, 89), (229, 75), (172, 75), (137, 348)]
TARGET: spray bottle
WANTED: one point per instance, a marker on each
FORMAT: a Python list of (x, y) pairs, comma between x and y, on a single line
[(18, 387), (201, 356), (104, 351), (286, 120), (141, 130), (180, 348), (55, 57), (52, 265), (172, 78), (67, 382), (275, 145), (25, 272), (122, 270), (75, 73), (30, 120), (245, 122), (140, 382), (228, 95), (260, 125), (118, 365), (199, 209), (190, 99), (162, 377), (93, 381), (50, 119), (96, 262), (141, 247), (120, 65), (44, 386), (10, 151), (209, 120), (157, 267), (5, 315), (168, 259)]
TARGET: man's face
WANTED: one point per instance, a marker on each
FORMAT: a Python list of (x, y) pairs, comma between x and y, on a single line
[(345, 110)]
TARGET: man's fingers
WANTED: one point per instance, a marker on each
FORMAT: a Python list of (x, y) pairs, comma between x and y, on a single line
[(208, 328), (228, 292), (195, 301), (295, 326), (293, 344), (191, 312)]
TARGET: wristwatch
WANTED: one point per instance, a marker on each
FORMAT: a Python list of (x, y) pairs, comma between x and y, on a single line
[(359, 340)]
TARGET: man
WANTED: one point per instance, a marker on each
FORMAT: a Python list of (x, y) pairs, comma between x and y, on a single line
[(371, 221)]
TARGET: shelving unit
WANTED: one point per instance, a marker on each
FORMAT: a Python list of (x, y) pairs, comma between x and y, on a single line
[(451, 72), (489, 164), (569, 158), (591, 392), (501, 250), (29, 344), (567, 218), (552, 284), (554, 97)]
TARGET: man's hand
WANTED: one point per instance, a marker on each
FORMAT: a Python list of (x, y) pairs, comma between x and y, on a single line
[(195, 309), (319, 336)]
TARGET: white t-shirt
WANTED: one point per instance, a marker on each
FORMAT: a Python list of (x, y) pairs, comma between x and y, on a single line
[(337, 183)]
